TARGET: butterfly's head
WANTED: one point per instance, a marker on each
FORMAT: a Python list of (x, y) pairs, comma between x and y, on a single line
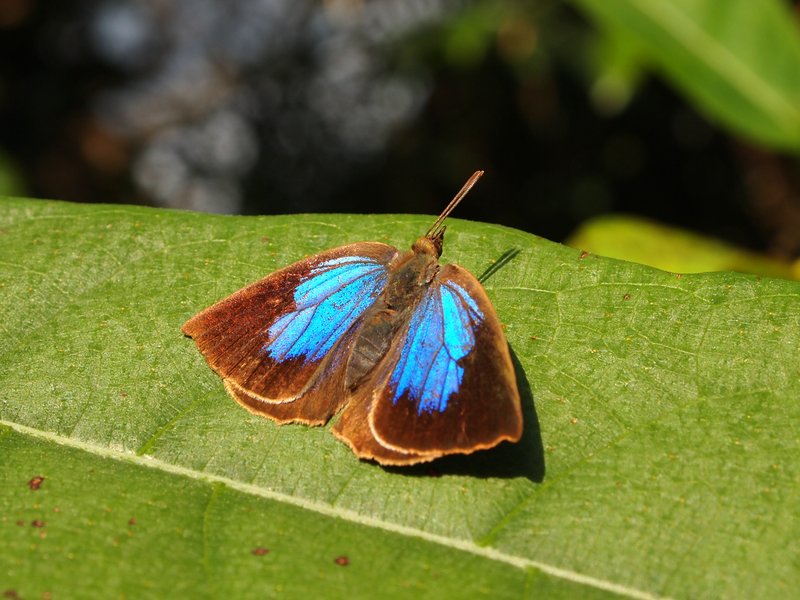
[(430, 243)]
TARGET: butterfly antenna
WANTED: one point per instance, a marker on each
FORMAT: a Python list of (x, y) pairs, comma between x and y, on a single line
[(437, 228)]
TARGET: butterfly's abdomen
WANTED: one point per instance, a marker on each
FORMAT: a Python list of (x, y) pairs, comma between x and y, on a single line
[(372, 344)]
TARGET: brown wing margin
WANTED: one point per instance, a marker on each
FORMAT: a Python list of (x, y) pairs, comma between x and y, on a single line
[(231, 333)]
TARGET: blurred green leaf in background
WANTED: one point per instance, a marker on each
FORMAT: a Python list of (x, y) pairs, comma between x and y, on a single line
[(672, 249), (737, 60)]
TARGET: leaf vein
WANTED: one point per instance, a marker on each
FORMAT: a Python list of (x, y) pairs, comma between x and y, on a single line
[(325, 509)]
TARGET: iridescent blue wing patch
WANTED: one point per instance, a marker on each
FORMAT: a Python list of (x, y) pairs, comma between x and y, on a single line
[(273, 341), (332, 297), (449, 383), (441, 333)]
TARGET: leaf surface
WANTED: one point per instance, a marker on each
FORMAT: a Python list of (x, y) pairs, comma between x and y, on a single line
[(659, 456)]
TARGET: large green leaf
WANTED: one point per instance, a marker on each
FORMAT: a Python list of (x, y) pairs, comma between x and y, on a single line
[(738, 59), (660, 453)]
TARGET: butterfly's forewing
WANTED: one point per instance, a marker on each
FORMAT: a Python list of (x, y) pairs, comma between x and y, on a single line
[(284, 339), (449, 383)]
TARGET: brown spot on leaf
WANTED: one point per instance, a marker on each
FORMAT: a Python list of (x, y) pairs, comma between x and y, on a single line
[(584, 254), (260, 551), (9, 593), (36, 482), (534, 338), (21, 523), (626, 297), (37, 523), (342, 560), (132, 521)]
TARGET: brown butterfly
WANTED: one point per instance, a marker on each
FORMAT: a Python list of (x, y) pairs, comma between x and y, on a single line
[(410, 351)]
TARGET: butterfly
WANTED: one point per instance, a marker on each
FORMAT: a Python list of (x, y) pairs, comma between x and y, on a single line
[(409, 352)]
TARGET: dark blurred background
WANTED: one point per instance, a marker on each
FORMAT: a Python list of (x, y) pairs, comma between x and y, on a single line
[(281, 106)]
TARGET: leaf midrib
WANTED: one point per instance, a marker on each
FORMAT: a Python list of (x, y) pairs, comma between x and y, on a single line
[(328, 510)]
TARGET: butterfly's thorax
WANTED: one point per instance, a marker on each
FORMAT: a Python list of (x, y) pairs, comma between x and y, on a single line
[(410, 276)]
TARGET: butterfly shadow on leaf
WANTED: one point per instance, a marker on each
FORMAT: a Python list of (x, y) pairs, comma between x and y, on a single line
[(522, 459), (505, 258)]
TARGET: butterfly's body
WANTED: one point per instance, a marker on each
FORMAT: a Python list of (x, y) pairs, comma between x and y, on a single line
[(410, 274), (410, 349)]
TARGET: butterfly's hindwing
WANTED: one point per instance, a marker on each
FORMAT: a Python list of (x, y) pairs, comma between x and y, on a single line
[(449, 383), (272, 340), (352, 427)]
